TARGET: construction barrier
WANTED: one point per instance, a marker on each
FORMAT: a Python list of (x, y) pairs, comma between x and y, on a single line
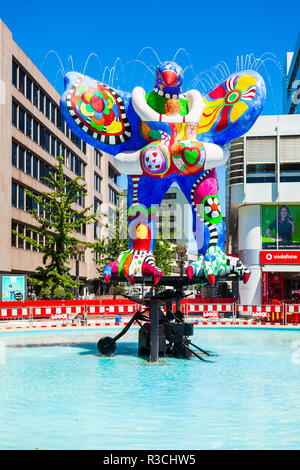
[(69, 310)]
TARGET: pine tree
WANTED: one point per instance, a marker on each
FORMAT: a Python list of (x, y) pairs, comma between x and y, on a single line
[(58, 225)]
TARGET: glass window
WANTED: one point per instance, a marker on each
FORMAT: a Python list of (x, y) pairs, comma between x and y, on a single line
[(14, 114), (14, 226), (14, 188), (35, 95), (84, 147), (57, 148), (52, 145), (21, 158), (260, 173), (42, 101), (21, 81), (35, 131), (21, 119), (42, 170), (28, 234), (21, 228), (20, 197), (34, 167), (42, 136), (15, 73), (53, 112), (28, 203), (28, 162), (47, 107), (47, 141), (28, 125), (14, 153), (28, 88)]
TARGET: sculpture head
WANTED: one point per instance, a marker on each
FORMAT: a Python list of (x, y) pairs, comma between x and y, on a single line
[(169, 78)]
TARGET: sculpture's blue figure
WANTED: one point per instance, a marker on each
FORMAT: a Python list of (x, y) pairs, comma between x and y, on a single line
[(163, 137)]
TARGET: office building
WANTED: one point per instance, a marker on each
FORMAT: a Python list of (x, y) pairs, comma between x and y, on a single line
[(32, 134), (263, 208)]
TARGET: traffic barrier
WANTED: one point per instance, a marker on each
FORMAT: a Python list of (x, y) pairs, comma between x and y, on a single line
[(69, 310)]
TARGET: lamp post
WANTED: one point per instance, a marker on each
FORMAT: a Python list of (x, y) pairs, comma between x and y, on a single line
[(80, 249)]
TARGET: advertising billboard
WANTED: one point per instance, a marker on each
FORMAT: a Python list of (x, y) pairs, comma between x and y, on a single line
[(13, 287), (280, 227)]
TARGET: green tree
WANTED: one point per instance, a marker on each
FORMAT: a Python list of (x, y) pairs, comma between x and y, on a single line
[(164, 254), (58, 224)]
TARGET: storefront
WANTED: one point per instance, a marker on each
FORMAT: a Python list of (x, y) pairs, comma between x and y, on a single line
[(280, 276)]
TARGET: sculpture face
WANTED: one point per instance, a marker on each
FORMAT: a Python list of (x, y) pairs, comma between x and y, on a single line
[(169, 78), (163, 137)]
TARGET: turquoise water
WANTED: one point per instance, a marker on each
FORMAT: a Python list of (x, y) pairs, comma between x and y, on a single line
[(57, 392)]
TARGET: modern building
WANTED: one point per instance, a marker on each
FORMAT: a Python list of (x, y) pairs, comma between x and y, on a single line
[(291, 92), (32, 134), (263, 208)]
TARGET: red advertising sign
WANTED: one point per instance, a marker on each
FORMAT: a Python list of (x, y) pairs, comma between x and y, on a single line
[(279, 257)]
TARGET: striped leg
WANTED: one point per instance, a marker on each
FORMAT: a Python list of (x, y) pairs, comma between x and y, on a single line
[(212, 262)]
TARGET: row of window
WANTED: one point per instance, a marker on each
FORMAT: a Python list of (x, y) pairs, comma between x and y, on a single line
[(28, 231), (31, 90), (27, 124)]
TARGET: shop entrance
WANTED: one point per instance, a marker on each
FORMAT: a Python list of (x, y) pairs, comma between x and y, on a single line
[(279, 287)]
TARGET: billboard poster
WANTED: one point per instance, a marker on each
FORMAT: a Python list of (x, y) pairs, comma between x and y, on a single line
[(280, 227), (13, 288)]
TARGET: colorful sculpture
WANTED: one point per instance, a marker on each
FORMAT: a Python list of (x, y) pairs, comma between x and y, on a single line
[(165, 137)]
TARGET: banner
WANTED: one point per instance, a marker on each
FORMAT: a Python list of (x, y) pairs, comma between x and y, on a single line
[(280, 227), (13, 288)]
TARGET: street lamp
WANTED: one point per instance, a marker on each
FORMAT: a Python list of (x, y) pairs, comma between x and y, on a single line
[(80, 249)]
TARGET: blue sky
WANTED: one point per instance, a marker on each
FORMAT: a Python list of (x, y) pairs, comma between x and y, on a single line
[(130, 35)]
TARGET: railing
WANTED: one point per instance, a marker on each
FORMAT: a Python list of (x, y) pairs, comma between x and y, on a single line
[(71, 311)]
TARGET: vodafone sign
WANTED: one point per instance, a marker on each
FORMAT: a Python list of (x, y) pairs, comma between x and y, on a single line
[(280, 257)]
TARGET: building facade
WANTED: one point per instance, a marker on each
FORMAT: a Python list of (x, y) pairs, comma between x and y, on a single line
[(291, 90), (263, 208), (32, 135)]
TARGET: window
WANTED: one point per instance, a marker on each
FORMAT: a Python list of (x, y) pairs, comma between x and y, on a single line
[(52, 145), (21, 158), (42, 136), (261, 173), (14, 154), (21, 126), (97, 182), (28, 125), (53, 112), (97, 157), (21, 81), (34, 167), (42, 101), (28, 234), (28, 88), (35, 131), (14, 227), (47, 107), (14, 188), (28, 203), (47, 141), (35, 95), (15, 73), (57, 148), (28, 163), (113, 195), (14, 114), (20, 197), (21, 228)]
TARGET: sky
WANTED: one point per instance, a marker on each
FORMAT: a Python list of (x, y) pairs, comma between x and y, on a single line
[(122, 42)]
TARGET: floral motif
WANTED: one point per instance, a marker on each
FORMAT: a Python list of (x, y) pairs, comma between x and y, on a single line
[(228, 102), (98, 107)]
